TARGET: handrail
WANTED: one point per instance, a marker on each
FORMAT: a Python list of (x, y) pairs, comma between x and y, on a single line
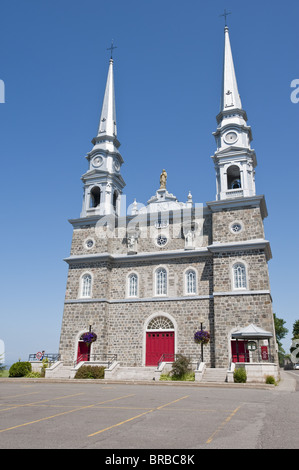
[(172, 357), (106, 358), (52, 357)]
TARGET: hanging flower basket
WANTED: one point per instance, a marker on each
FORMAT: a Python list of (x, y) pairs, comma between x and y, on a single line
[(202, 337), (89, 337)]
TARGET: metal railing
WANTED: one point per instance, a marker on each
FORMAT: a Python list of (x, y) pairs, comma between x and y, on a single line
[(172, 357), (52, 357), (103, 358), (252, 356)]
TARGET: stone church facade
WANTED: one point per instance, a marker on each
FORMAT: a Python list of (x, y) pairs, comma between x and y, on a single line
[(144, 283)]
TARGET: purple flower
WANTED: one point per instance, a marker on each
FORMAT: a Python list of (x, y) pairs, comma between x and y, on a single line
[(202, 336), (89, 337)]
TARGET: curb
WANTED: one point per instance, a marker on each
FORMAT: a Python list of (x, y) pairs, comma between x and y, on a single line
[(141, 382)]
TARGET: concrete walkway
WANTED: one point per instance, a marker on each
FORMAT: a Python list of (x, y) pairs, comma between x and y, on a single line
[(287, 381)]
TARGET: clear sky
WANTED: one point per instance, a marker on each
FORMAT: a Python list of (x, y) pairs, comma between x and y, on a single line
[(167, 66)]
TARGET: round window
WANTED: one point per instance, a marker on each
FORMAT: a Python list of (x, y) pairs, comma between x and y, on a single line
[(89, 243), (236, 227), (161, 240)]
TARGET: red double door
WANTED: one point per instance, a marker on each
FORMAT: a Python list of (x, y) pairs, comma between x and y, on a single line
[(240, 352), (83, 351), (157, 344)]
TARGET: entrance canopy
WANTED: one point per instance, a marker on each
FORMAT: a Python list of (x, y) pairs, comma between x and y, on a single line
[(252, 332)]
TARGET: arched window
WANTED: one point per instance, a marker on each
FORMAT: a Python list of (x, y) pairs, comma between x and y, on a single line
[(115, 197), (191, 282), (233, 177), (161, 281), (95, 196), (160, 323), (133, 285), (239, 276), (86, 286)]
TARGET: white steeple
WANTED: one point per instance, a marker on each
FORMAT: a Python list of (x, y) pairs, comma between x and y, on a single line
[(107, 125), (103, 183), (230, 97), (234, 159)]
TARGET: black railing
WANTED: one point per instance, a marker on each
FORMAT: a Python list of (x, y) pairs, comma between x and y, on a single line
[(255, 356), (52, 357), (103, 358), (172, 357)]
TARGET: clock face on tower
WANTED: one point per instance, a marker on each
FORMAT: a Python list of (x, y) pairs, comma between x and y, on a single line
[(116, 165), (97, 161), (231, 137)]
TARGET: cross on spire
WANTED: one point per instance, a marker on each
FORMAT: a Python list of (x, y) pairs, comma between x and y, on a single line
[(111, 48), (225, 14)]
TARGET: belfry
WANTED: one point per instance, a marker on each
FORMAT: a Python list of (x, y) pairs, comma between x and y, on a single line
[(171, 277)]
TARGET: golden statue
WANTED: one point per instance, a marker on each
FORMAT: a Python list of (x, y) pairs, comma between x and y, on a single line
[(163, 178)]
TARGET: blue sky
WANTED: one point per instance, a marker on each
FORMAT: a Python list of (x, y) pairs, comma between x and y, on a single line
[(167, 65)]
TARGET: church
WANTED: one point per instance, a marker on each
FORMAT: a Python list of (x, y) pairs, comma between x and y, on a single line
[(171, 277)]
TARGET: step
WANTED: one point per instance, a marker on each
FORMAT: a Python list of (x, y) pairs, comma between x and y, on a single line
[(216, 374), (134, 373)]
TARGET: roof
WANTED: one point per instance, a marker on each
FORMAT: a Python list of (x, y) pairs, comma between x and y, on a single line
[(252, 332)]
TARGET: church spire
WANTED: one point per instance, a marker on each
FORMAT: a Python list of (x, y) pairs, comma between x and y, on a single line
[(103, 183), (234, 159), (230, 98), (107, 125)]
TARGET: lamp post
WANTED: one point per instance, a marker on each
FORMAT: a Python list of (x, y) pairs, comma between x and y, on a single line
[(201, 320), (89, 352)]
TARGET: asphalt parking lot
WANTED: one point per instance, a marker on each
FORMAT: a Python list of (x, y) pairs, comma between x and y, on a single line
[(119, 416)]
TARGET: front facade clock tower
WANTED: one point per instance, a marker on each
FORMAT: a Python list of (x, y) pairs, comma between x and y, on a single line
[(234, 159), (103, 183)]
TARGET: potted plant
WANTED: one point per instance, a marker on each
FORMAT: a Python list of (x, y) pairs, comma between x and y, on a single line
[(89, 337), (202, 337)]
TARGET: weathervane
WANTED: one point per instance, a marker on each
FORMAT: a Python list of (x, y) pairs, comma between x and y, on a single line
[(111, 48), (225, 14)]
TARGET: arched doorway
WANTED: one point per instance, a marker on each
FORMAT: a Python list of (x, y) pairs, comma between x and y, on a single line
[(160, 339), (83, 352)]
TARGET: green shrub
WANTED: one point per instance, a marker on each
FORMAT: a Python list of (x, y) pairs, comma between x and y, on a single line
[(165, 377), (180, 367), (270, 380), (33, 375), (20, 369), (45, 365), (90, 372), (188, 377), (240, 375)]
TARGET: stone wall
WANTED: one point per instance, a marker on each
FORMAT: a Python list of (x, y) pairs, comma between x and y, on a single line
[(120, 321), (232, 313)]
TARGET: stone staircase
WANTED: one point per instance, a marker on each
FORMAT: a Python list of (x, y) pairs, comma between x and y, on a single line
[(134, 373), (59, 371), (214, 375)]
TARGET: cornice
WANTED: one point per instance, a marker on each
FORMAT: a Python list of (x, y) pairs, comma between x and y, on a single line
[(258, 244), (247, 245), (148, 256), (253, 201)]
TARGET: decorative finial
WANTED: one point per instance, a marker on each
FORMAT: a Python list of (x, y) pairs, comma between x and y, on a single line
[(111, 48), (225, 14), (163, 178)]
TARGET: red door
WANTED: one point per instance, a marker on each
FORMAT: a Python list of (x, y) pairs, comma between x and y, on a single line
[(264, 353), (157, 344), (83, 351), (239, 351)]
